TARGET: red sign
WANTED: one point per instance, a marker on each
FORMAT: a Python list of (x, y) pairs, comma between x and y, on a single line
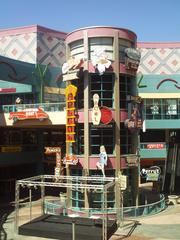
[(155, 146), (106, 115), (29, 113), (70, 159), (7, 90)]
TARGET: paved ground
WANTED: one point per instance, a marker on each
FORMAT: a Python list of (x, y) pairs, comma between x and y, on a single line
[(163, 226)]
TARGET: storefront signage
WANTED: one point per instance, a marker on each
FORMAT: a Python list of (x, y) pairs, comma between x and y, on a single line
[(100, 60), (71, 76), (151, 174), (57, 152), (72, 64), (132, 58), (135, 121), (132, 160), (155, 146), (50, 150), (28, 113), (11, 149), (70, 159), (71, 91), (7, 90)]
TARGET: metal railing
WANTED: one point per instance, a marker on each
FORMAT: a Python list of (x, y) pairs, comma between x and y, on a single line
[(47, 107), (54, 207)]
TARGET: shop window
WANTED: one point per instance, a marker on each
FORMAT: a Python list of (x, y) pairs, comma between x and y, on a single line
[(77, 49), (161, 108), (171, 108), (103, 85), (101, 42)]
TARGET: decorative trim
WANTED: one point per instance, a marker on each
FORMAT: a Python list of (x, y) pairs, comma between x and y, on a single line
[(30, 29), (158, 45), (159, 95)]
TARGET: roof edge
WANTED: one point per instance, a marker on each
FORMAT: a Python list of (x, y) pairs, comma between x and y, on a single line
[(30, 29), (158, 44)]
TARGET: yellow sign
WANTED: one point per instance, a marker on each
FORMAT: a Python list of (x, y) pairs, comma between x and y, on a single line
[(50, 150), (11, 149)]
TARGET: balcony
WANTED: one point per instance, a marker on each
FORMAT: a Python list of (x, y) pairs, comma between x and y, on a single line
[(153, 150), (55, 111)]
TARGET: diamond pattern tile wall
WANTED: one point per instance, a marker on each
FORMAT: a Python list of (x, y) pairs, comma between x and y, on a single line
[(34, 48), (159, 61), (20, 47), (51, 50)]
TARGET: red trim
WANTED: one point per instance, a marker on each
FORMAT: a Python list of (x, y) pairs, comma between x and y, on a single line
[(32, 29), (158, 45)]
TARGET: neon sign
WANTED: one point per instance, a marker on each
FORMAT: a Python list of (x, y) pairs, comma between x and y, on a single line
[(71, 91)]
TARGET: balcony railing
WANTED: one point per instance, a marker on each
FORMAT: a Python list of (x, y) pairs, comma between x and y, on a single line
[(47, 107)]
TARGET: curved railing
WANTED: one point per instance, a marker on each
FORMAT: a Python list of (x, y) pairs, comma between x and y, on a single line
[(48, 107), (144, 210), (56, 207)]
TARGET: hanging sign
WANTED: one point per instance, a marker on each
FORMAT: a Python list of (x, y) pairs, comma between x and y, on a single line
[(70, 92), (96, 113), (106, 115), (71, 68), (57, 152), (132, 59), (70, 159)]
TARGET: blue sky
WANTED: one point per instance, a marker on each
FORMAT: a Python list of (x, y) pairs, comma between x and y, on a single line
[(152, 21)]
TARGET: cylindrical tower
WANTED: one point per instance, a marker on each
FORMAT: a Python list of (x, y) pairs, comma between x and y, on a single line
[(105, 87)]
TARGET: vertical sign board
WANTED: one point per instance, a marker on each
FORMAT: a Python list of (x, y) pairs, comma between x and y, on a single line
[(71, 91), (57, 151)]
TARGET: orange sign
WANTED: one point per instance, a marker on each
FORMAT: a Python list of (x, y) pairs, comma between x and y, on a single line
[(29, 113), (71, 91)]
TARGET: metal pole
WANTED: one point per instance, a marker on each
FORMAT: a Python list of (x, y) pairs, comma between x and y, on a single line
[(42, 195), (122, 210), (30, 203), (16, 222), (73, 230)]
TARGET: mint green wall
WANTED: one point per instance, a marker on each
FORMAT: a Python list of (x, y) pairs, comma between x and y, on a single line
[(163, 124), (25, 73), (20, 87), (153, 153), (149, 83)]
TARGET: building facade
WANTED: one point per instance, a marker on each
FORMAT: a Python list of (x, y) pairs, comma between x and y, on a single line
[(126, 103)]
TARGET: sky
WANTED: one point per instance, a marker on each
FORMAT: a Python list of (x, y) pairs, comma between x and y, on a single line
[(151, 20)]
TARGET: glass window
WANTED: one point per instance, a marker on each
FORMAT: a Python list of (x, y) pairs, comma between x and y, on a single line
[(103, 85), (101, 136), (161, 109)]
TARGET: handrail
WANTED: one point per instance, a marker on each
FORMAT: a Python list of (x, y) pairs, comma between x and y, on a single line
[(133, 211), (48, 107)]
